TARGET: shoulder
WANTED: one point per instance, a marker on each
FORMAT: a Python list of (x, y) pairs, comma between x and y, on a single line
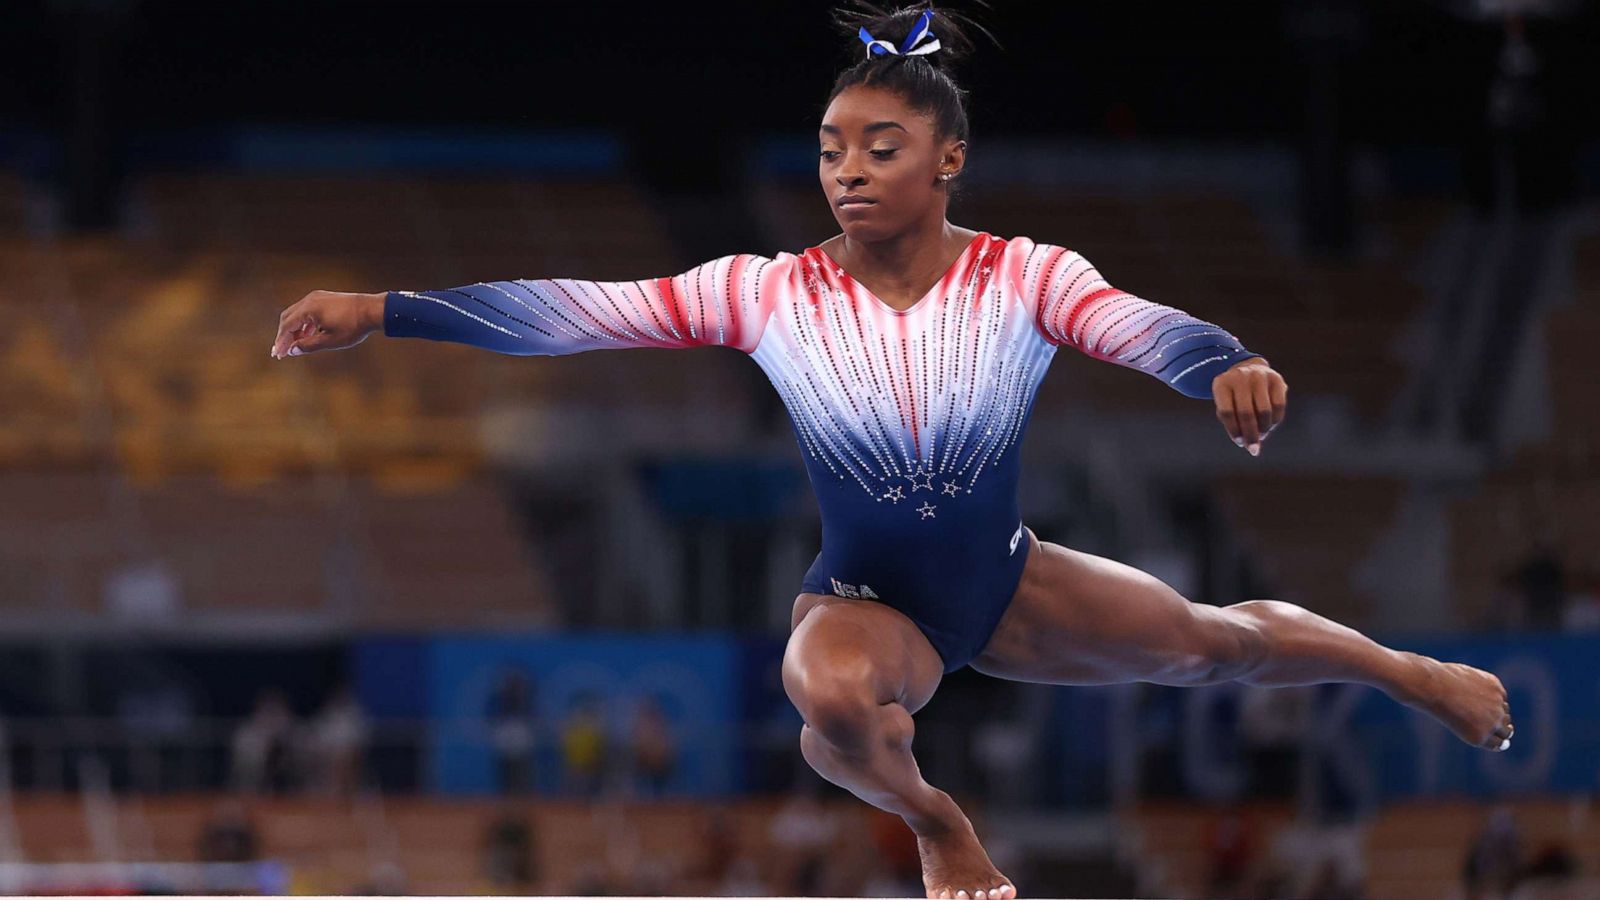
[(754, 267), (1027, 260), (1024, 246)]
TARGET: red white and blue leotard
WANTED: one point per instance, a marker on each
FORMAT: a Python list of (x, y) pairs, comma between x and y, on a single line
[(909, 420)]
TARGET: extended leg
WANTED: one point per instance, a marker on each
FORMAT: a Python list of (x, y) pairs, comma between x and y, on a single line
[(1083, 619), (857, 670)]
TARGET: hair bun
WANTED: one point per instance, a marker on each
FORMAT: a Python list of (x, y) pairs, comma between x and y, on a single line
[(897, 26)]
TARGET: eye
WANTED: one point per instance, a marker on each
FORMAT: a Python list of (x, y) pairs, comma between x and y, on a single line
[(829, 154), (883, 154)]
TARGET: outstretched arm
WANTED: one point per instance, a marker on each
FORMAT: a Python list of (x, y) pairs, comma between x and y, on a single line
[(1075, 305), (718, 303)]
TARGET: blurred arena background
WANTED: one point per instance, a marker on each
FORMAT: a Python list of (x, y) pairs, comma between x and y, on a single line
[(420, 618)]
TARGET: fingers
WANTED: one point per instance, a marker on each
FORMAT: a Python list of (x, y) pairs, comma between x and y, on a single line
[(1244, 404), (1278, 394), (1226, 413), (1261, 395), (291, 325), (296, 326), (1236, 411)]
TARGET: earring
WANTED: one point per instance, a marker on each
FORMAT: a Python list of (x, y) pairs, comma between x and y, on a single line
[(945, 177)]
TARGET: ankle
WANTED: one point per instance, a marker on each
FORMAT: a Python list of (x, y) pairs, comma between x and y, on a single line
[(937, 816), (1415, 678)]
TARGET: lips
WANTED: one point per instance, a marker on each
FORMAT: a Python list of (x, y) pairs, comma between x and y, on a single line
[(850, 201)]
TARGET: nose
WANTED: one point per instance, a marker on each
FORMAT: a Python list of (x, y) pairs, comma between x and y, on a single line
[(851, 180)]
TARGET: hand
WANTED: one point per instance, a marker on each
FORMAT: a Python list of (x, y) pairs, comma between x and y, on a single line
[(327, 320), (1250, 402)]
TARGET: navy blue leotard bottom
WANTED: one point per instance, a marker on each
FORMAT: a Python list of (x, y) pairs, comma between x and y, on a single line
[(955, 593)]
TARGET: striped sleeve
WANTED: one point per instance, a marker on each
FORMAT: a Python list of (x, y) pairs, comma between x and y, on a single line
[(1074, 305), (725, 302)]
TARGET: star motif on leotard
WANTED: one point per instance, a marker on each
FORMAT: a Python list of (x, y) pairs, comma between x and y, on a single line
[(926, 509), (895, 494), (921, 481), (950, 488)]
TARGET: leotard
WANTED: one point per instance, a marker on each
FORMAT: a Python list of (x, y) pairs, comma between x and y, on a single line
[(909, 420)]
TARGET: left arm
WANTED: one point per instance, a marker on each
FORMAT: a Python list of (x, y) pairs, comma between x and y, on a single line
[(1075, 305)]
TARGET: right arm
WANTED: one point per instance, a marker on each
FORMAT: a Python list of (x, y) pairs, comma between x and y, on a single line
[(724, 302)]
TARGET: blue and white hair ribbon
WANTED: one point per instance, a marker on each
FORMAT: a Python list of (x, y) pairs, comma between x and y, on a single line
[(917, 43)]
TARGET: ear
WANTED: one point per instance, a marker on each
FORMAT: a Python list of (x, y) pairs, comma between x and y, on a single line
[(954, 158)]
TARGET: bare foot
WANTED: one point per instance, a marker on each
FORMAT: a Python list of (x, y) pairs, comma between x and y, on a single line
[(1470, 702), (955, 866)]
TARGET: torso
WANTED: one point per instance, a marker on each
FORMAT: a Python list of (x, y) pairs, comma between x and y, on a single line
[(909, 418)]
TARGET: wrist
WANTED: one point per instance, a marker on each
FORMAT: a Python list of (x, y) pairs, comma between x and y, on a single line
[(372, 306)]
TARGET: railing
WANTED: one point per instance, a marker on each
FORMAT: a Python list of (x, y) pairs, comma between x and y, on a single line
[(268, 877), (64, 754)]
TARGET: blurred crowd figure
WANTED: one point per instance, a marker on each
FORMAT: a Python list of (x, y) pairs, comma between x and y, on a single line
[(1541, 593), (1496, 865), (652, 747), (510, 716), (595, 758), (263, 747), (809, 831), (229, 836), (274, 752), (510, 855), (1499, 867), (337, 741), (584, 750), (806, 849), (1239, 865)]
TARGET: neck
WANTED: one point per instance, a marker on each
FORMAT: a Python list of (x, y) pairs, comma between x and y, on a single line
[(906, 261)]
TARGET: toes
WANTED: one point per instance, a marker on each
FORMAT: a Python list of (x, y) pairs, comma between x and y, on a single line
[(1500, 738), (962, 895), (1002, 891)]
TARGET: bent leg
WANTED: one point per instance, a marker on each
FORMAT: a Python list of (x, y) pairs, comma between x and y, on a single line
[(857, 670), (1077, 618)]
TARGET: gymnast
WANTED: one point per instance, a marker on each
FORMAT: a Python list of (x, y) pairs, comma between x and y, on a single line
[(907, 351)]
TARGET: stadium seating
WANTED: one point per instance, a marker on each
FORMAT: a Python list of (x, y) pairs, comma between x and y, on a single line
[(1413, 849), (1309, 533), (1546, 492), (438, 846), (389, 554), (140, 355)]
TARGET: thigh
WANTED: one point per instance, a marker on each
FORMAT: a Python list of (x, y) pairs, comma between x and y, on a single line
[(1077, 618), (863, 643)]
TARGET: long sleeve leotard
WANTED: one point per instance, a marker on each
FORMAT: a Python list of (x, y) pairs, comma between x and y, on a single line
[(908, 420)]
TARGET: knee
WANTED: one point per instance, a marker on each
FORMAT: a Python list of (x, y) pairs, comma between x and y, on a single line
[(1228, 644), (835, 698)]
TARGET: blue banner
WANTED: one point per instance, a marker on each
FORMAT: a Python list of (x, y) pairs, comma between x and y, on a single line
[(1350, 745), (650, 714)]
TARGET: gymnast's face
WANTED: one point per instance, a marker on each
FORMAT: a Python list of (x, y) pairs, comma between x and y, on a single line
[(876, 146)]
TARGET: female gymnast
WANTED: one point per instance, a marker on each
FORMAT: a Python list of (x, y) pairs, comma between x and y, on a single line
[(907, 351)]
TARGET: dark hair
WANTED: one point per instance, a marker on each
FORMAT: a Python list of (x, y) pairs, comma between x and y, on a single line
[(923, 81)]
